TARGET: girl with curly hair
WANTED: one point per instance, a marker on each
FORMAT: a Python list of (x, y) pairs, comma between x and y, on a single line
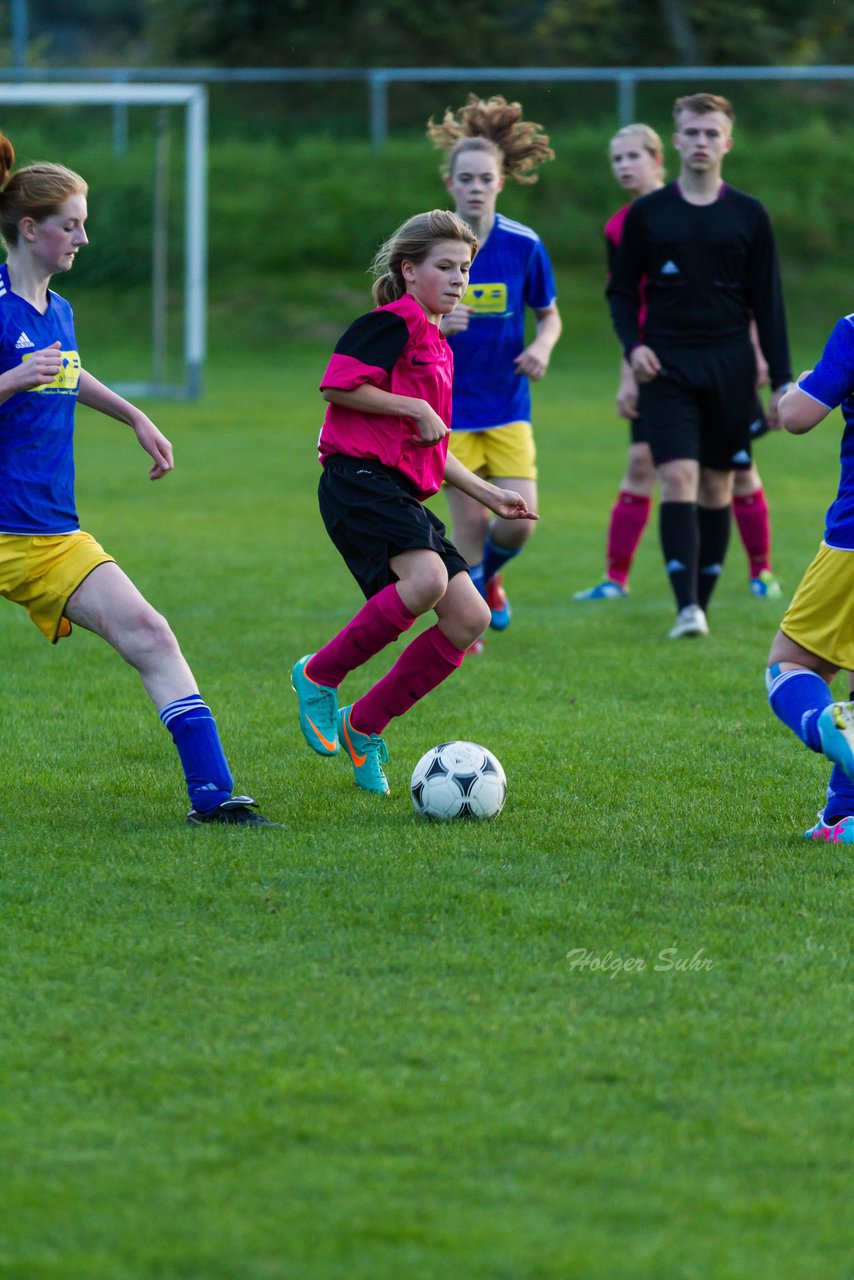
[(486, 142)]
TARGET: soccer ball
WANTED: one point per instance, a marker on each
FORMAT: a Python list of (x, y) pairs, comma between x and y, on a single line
[(458, 780)]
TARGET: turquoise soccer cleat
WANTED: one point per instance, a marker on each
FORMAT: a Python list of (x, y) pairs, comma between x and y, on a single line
[(836, 732), (841, 832), (606, 590), (368, 753), (318, 710)]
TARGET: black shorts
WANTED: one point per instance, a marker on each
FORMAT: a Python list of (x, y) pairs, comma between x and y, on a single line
[(702, 405), (371, 514)]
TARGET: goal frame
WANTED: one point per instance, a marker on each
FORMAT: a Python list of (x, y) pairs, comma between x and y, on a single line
[(195, 98)]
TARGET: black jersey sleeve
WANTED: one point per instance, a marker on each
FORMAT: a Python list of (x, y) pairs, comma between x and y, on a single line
[(624, 286), (764, 291), (376, 339), (610, 255)]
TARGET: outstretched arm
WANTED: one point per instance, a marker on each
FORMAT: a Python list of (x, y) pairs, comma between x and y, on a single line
[(95, 395), (504, 502)]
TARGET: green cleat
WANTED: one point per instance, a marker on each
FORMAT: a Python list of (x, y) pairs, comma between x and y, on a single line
[(318, 710), (367, 751)]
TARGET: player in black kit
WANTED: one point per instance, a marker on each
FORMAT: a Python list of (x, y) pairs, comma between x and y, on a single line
[(706, 254)]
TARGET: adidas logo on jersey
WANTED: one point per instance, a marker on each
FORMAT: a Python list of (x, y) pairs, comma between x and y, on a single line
[(670, 268), (23, 341)]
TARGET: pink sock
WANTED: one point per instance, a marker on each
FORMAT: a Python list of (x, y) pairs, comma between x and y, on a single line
[(424, 663), (380, 620), (754, 524), (629, 517)]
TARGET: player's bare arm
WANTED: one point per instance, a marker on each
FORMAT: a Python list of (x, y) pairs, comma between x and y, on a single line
[(41, 369), (456, 321), (798, 412), (645, 364), (95, 395), (627, 392), (534, 360), (369, 399), (504, 502)]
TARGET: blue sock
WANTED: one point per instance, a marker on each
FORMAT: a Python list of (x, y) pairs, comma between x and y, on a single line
[(495, 557), (798, 698), (194, 731), (840, 797), (476, 575)]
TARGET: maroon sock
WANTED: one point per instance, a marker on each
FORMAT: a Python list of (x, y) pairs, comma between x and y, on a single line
[(754, 525), (380, 620), (424, 664), (629, 517)]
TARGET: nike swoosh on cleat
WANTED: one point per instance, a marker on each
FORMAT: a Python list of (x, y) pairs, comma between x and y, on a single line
[(325, 741), (358, 760)]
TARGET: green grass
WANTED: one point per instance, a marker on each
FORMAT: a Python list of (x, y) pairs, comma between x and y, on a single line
[(358, 1048)]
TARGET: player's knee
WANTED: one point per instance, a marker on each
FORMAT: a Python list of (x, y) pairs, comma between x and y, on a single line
[(640, 475), (474, 621), (679, 481), (150, 639), (425, 589), (515, 533)]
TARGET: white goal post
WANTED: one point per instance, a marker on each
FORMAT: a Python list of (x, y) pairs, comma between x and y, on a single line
[(194, 98)]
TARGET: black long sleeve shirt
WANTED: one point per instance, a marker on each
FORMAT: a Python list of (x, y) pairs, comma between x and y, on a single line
[(707, 270)]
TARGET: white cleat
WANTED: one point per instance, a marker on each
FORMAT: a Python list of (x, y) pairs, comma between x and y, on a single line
[(690, 621)]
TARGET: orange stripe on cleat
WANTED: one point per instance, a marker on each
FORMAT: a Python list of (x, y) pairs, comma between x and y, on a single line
[(330, 746), (358, 760)]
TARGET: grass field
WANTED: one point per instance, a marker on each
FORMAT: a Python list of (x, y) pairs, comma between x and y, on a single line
[(606, 1037)]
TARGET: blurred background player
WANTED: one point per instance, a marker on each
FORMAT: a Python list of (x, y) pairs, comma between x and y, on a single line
[(816, 636), (47, 563), (384, 449), (701, 257), (636, 154), (486, 142)]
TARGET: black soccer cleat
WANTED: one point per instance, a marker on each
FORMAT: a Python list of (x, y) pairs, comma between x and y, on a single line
[(238, 811)]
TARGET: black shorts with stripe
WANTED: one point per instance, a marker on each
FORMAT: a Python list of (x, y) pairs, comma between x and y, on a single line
[(371, 514), (702, 405)]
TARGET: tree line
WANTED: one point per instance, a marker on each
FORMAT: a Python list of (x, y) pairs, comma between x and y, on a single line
[(365, 33)]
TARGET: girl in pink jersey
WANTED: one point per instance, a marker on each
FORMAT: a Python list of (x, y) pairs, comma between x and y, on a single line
[(384, 448), (637, 161)]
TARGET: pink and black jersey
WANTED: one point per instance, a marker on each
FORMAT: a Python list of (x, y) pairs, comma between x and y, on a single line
[(395, 348), (613, 236)]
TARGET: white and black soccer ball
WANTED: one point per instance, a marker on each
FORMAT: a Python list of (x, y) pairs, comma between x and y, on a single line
[(458, 780)]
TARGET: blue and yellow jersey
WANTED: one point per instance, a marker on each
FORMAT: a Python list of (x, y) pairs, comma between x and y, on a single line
[(511, 272), (37, 427), (831, 383)]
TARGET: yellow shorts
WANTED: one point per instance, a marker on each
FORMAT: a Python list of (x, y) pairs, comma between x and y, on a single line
[(507, 453), (41, 573), (821, 615)]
